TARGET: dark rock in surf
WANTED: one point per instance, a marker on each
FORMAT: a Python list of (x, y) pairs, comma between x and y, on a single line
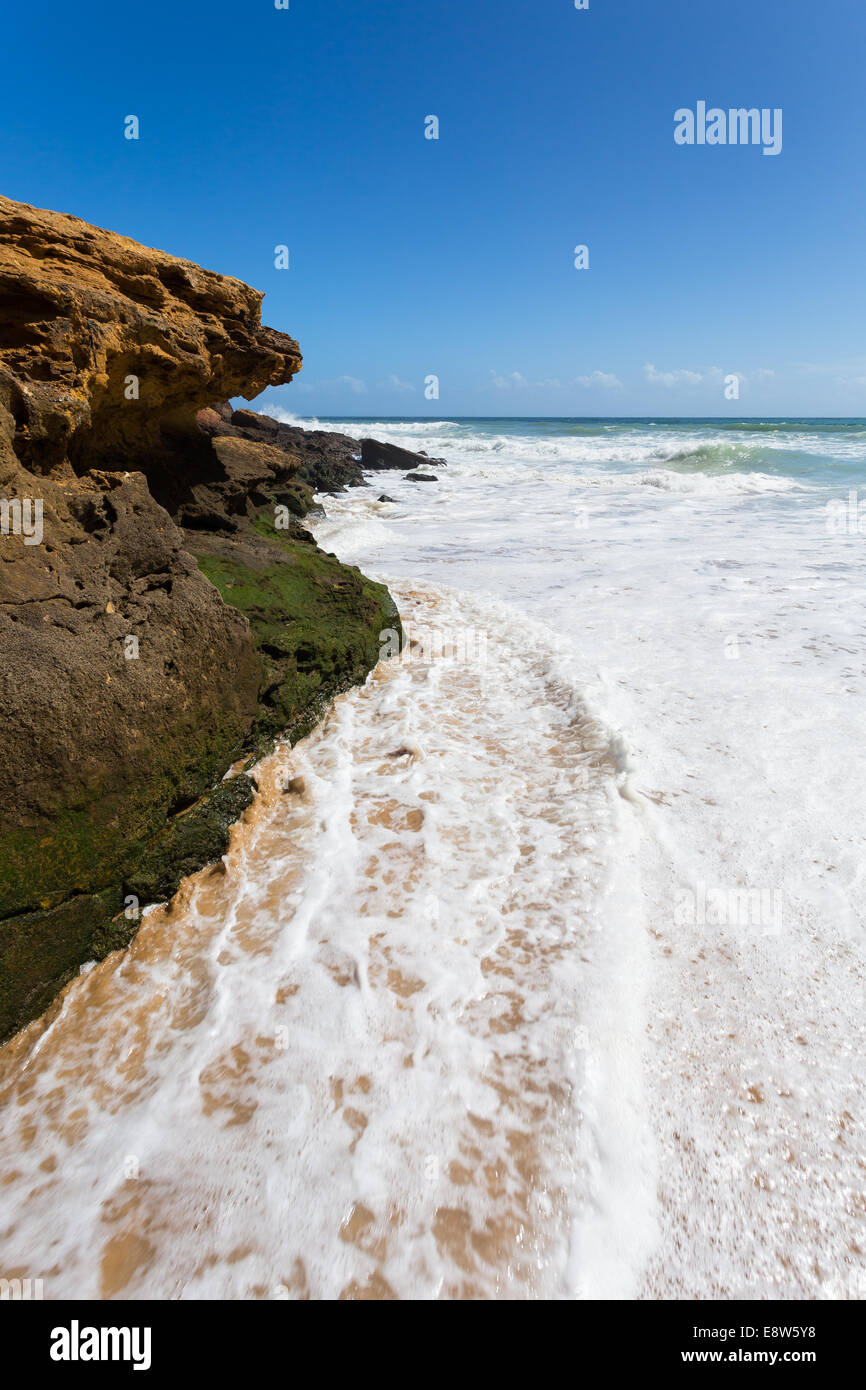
[(377, 456), (325, 461)]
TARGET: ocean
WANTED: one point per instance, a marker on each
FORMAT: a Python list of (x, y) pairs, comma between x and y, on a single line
[(537, 970)]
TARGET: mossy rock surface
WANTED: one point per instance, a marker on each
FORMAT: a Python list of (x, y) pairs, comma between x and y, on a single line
[(141, 824), (316, 624), (192, 838), (83, 847), (43, 949)]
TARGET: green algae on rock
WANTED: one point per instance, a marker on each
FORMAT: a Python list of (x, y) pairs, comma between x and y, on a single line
[(315, 623)]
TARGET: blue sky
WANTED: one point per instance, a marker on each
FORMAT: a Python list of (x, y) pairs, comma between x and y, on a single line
[(411, 257)]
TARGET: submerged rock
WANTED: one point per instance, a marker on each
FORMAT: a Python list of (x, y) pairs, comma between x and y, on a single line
[(162, 610), (375, 455), (420, 478)]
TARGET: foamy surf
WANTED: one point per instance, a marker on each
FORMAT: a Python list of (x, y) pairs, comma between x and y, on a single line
[(389, 1048), (707, 609)]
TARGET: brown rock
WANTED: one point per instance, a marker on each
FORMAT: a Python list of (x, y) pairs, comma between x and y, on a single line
[(127, 685), (327, 461), (85, 310), (138, 659)]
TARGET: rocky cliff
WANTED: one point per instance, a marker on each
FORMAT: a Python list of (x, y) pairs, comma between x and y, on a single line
[(162, 610)]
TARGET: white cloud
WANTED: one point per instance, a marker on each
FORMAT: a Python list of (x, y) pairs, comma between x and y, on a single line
[(853, 364), (844, 374), (709, 376), (503, 382), (606, 380), (517, 381), (393, 383), (354, 384), (681, 377), (333, 385)]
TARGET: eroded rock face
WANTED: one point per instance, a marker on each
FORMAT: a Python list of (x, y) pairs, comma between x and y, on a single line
[(129, 682), (85, 310)]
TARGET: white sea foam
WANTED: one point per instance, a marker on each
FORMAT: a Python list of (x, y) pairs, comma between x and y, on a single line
[(707, 484), (709, 614)]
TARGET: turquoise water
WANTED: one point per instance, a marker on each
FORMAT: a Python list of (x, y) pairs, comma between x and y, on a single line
[(819, 451)]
